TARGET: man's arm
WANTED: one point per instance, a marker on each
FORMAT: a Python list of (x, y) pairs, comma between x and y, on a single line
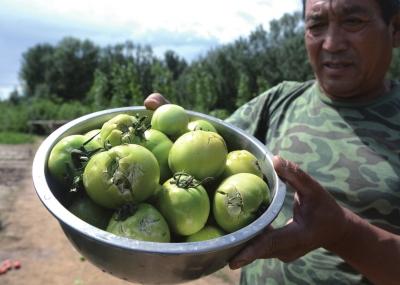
[(370, 250)]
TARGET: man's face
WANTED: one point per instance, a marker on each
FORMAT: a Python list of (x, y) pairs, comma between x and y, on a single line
[(349, 46)]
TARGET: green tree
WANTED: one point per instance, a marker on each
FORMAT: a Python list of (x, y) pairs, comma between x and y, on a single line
[(163, 81), (221, 66), (65, 70), (143, 60), (175, 64), (100, 94), (125, 86), (36, 63), (136, 59), (204, 93), (244, 94), (15, 97), (74, 63)]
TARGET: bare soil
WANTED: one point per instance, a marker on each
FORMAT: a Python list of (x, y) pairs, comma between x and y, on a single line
[(31, 235)]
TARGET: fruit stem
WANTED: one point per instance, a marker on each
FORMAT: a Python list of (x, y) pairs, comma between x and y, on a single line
[(185, 180)]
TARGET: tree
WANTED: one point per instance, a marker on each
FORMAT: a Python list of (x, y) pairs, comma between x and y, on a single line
[(99, 94), (163, 81), (66, 70), (15, 97), (221, 66), (244, 94), (143, 60), (140, 58), (287, 36), (125, 86), (36, 63), (175, 64), (74, 63)]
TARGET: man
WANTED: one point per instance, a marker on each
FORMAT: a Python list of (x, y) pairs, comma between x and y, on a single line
[(343, 130)]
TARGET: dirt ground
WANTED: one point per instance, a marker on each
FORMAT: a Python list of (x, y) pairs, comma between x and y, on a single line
[(31, 235)]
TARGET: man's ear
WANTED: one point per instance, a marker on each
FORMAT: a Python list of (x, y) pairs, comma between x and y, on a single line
[(396, 30)]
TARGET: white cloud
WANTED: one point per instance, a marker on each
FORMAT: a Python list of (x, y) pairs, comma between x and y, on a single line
[(222, 19)]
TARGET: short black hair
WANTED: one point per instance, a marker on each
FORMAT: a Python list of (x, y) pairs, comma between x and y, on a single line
[(389, 8)]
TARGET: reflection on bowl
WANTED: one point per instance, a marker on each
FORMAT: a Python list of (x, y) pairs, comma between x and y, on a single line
[(152, 262)]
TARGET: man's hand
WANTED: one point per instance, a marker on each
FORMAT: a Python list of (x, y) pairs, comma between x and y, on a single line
[(154, 100), (318, 221)]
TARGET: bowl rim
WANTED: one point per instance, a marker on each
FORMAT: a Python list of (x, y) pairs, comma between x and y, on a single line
[(66, 218)]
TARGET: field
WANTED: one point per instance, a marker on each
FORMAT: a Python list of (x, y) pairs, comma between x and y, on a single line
[(30, 234)]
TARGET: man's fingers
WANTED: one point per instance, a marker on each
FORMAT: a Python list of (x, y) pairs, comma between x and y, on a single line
[(297, 178), (154, 100), (270, 244), (292, 240), (247, 255)]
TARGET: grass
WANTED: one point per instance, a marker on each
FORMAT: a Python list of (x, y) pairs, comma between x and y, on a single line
[(15, 138)]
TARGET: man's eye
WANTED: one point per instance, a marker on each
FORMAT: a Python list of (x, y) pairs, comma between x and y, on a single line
[(353, 21), (316, 27), (353, 24)]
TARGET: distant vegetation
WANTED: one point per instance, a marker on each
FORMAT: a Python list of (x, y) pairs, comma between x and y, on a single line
[(15, 138), (76, 76)]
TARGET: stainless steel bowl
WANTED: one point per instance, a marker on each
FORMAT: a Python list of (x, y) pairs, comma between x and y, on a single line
[(151, 262)]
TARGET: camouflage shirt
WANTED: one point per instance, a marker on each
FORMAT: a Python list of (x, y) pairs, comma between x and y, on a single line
[(352, 150)]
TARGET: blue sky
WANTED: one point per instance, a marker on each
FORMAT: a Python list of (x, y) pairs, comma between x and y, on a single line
[(189, 28)]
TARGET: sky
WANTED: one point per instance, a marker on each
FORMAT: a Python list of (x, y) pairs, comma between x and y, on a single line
[(190, 28)]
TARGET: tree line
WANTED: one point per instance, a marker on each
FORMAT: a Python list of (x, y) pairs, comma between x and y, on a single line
[(76, 76)]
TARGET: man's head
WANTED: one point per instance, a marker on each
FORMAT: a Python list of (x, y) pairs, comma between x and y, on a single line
[(349, 44), (389, 8)]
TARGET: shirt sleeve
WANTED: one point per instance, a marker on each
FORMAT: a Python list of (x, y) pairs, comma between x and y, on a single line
[(249, 116)]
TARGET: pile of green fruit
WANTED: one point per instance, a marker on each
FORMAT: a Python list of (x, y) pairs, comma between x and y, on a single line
[(164, 178)]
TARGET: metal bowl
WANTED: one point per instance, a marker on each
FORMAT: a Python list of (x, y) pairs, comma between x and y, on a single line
[(152, 262)]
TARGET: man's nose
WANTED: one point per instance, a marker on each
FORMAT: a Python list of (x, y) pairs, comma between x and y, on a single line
[(334, 39)]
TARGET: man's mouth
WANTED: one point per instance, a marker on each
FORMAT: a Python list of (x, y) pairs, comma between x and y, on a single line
[(336, 65)]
